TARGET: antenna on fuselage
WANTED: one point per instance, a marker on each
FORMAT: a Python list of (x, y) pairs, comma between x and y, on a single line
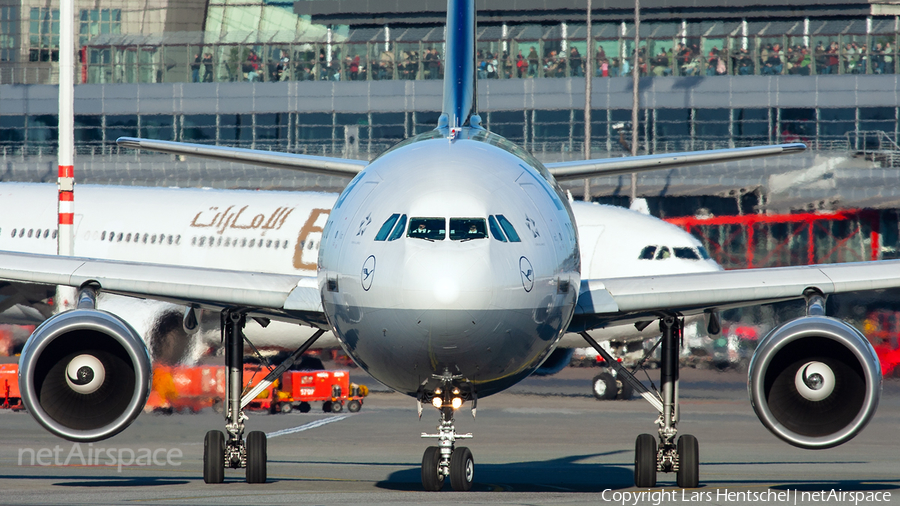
[(459, 106)]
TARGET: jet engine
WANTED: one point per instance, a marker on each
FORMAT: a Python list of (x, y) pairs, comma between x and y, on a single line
[(815, 382), (85, 375)]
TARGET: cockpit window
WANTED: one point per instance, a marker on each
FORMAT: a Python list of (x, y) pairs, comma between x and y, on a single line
[(496, 232), (398, 230), (464, 229), (686, 253), (386, 228), (663, 253), (647, 253), (703, 253), (508, 229), (432, 229)]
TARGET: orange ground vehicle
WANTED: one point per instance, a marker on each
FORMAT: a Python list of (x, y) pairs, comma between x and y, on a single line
[(300, 388), (9, 387), (177, 388)]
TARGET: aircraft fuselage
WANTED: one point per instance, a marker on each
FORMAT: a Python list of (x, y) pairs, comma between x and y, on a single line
[(450, 257)]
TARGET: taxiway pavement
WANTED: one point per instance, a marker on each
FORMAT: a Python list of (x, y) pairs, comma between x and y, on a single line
[(545, 441)]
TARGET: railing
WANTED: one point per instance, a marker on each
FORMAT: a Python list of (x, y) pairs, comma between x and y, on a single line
[(875, 145), (497, 59)]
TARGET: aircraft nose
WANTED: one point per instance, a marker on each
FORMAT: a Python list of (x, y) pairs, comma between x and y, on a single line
[(447, 278)]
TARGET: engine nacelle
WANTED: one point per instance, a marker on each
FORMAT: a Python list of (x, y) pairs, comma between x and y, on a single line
[(85, 375), (815, 382)]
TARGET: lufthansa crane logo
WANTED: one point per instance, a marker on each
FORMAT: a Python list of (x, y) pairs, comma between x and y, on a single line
[(368, 273), (527, 273)]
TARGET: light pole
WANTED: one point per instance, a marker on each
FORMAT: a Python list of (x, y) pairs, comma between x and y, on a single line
[(635, 82), (588, 75)]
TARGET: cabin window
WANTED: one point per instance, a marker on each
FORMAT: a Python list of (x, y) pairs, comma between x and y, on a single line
[(387, 227), (686, 254), (508, 229), (430, 229), (496, 231), (399, 229), (464, 229), (647, 253)]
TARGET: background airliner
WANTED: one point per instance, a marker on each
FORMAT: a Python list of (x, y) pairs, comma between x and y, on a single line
[(449, 269), (215, 228)]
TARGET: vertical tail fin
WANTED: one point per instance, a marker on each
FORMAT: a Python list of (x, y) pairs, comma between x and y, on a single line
[(459, 64)]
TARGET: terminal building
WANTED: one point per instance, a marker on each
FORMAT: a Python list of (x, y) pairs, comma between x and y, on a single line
[(351, 77)]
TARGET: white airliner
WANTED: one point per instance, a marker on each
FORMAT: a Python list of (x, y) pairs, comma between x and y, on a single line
[(449, 269)]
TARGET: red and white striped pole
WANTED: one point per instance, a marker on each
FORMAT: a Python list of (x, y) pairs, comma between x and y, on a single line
[(66, 130)]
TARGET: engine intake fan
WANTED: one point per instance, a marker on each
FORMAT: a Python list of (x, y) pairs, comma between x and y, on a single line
[(815, 382), (85, 375)]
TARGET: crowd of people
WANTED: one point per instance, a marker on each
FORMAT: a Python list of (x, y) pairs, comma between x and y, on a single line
[(556, 61)]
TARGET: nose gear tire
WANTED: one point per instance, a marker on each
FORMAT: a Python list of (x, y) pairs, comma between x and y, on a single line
[(462, 469), (432, 477)]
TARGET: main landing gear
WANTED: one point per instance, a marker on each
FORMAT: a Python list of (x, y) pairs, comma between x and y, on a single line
[(447, 459), (673, 454), (236, 452)]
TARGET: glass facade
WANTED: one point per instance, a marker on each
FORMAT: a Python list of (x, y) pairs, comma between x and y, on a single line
[(43, 34), (243, 40), (8, 33), (540, 131), (233, 50)]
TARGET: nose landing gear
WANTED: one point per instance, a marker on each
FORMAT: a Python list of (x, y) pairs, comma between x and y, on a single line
[(447, 459)]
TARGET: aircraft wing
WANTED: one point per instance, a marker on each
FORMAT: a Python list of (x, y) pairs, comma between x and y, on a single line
[(581, 169), (601, 302), (342, 167), (291, 297)]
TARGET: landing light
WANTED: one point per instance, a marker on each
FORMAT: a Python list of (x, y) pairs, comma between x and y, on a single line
[(456, 402), (436, 401)]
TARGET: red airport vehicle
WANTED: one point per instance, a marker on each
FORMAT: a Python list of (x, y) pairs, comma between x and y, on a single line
[(190, 389), (9, 387), (300, 388), (181, 389)]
